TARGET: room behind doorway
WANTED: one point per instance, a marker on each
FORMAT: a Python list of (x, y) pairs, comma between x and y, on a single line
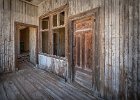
[(26, 44)]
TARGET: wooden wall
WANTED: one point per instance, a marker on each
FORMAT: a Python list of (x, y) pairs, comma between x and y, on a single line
[(12, 11), (117, 70), (32, 44)]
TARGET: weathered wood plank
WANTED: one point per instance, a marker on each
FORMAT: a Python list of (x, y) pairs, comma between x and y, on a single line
[(117, 69), (15, 91), (102, 46), (130, 46), (2, 92), (54, 88), (37, 84), (135, 48), (122, 78), (9, 93), (65, 86), (139, 56), (21, 89), (109, 48), (32, 91), (126, 40), (114, 47), (106, 46)]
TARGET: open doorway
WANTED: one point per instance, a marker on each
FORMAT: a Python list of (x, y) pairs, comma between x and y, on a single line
[(25, 44), (24, 40)]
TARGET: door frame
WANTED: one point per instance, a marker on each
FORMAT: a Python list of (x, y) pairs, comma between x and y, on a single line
[(90, 13), (16, 41)]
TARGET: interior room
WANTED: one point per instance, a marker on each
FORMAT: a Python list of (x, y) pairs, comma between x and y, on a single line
[(69, 49)]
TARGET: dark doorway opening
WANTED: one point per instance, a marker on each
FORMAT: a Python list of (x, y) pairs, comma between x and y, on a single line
[(24, 41), (25, 44)]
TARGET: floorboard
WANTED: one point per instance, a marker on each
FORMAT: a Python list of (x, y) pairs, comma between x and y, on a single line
[(31, 83)]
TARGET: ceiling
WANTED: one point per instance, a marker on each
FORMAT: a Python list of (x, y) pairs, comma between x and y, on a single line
[(34, 2)]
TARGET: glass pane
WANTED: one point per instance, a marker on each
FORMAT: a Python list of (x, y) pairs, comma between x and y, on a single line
[(45, 23), (62, 18), (45, 42), (55, 20), (59, 42)]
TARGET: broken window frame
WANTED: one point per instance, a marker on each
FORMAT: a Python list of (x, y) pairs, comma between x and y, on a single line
[(58, 27), (58, 20), (47, 32), (57, 12)]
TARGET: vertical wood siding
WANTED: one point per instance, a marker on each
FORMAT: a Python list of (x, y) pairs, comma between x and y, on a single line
[(119, 43), (12, 11)]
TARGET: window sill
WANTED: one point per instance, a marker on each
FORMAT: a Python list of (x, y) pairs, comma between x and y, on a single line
[(53, 56)]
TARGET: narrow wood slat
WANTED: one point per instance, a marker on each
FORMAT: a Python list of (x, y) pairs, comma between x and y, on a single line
[(60, 92), (114, 46), (14, 89), (30, 89), (2, 92), (22, 90), (10, 94), (106, 46), (53, 78), (122, 78), (126, 31), (130, 46), (64, 86), (139, 57), (135, 47), (117, 71)]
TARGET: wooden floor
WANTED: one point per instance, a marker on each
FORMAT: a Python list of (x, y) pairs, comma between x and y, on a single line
[(35, 84)]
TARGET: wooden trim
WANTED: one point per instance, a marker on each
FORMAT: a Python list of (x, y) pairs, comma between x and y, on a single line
[(29, 3), (44, 30), (62, 26), (85, 71), (28, 25), (50, 14), (61, 8), (84, 14)]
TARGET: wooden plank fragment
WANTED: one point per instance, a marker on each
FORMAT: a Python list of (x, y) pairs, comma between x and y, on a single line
[(114, 46), (117, 69), (32, 91), (126, 41), (2, 92), (130, 48), (16, 91), (122, 78), (106, 46), (102, 46), (139, 56), (10, 94), (21, 89), (135, 48)]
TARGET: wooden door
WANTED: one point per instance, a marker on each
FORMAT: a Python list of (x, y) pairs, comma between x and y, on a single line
[(82, 50)]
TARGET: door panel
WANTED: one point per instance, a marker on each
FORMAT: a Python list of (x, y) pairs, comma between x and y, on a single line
[(82, 49)]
